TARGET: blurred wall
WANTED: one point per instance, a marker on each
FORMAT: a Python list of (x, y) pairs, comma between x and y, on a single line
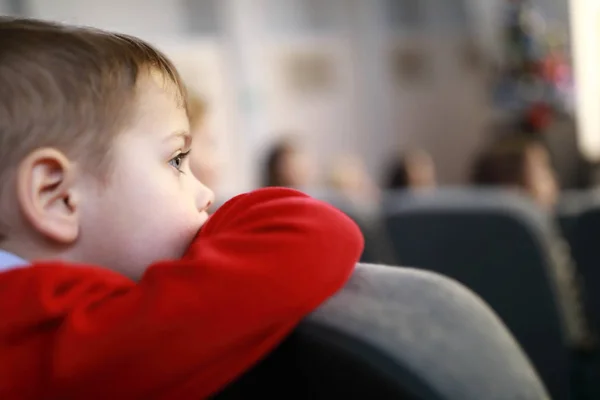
[(556, 10), (585, 16), (361, 95)]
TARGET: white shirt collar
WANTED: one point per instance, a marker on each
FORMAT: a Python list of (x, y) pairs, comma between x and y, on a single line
[(10, 261)]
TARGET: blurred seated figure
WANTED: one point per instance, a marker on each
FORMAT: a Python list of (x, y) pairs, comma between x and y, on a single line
[(349, 177), (204, 143), (520, 163), (287, 165), (523, 164), (414, 170)]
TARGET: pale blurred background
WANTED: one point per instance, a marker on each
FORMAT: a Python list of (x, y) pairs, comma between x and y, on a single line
[(368, 79)]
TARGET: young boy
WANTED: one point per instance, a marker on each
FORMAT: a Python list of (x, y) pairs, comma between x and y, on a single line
[(134, 300)]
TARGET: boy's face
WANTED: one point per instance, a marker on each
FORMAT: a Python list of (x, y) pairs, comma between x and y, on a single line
[(152, 205)]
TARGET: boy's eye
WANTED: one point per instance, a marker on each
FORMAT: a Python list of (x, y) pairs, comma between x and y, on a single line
[(177, 161)]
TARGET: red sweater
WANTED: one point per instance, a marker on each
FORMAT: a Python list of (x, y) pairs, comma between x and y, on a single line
[(189, 327)]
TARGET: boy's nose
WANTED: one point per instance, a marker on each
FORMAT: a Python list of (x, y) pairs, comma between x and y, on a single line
[(206, 198)]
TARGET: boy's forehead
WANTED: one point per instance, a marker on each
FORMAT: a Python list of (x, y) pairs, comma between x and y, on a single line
[(156, 86), (158, 105)]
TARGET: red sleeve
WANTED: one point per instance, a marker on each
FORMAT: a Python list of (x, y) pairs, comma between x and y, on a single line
[(260, 264)]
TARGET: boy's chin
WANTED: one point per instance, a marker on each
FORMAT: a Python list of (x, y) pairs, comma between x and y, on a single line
[(204, 216)]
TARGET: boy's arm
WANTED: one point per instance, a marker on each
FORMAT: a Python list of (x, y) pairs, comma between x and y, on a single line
[(259, 265)]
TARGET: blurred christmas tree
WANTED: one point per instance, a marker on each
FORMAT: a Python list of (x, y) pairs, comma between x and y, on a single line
[(532, 83), (521, 44)]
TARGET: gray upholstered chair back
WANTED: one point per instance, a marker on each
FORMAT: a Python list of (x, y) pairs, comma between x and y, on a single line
[(586, 251), (571, 206), (396, 333)]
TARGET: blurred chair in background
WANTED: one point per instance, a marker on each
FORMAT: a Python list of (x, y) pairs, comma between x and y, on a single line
[(501, 247)]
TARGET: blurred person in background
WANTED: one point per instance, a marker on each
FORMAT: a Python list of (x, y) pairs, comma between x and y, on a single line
[(288, 165), (414, 170), (519, 163), (349, 177), (522, 163)]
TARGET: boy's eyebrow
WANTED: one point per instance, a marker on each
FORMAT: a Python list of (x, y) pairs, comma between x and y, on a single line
[(185, 135)]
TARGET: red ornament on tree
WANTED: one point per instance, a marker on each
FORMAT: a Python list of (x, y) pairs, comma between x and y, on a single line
[(539, 116)]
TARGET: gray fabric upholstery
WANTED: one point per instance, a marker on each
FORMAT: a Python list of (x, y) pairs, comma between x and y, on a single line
[(579, 217), (439, 329), (415, 334), (503, 248), (571, 205), (585, 236)]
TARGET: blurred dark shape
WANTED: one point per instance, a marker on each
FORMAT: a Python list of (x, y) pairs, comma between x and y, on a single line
[(310, 73), (519, 162), (410, 65), (287, 165), (414, 170)]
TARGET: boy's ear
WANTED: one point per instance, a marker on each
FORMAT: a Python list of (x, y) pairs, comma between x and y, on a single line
[(47, 196)]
